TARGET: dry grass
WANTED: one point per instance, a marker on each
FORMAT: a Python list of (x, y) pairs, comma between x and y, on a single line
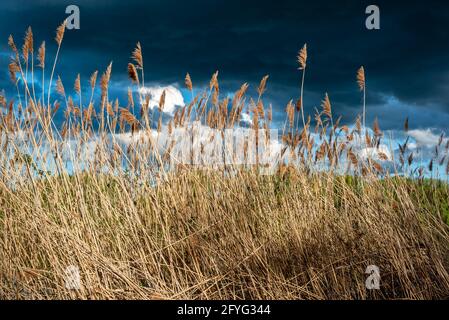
[(192, 233), (200, 236)]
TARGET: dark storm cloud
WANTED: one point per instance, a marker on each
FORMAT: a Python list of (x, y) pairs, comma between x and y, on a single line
[(407, 59)]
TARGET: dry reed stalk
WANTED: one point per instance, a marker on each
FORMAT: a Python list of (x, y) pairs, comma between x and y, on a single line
[(361, 81), (302, 61), (188, 82), (59, 37)]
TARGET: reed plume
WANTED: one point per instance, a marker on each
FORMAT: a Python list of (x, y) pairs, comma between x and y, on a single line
[(59, 37), (93, 79), (262, 86), (128, 117), (302, 58), (137, 56), (362, 86), (326, 105), (162, 101), (302, 61), (41, 60), (60, 87), (132, 73), (188, 82)]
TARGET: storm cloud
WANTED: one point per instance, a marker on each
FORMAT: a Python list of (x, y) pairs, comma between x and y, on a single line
[(406, 60)]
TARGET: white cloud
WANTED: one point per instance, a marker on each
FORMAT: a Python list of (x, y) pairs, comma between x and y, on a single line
[(245, 118), (425, 138), (374, 153), (173, 97)]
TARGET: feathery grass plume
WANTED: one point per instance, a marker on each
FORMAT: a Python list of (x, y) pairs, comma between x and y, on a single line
[(378, 167), (361, 81), (88, 113), (130, 98), (353, 158), (262, 86), (361, 78), (403, 148), (70, 107), (159, 125), (29, 41), (170, 127), (162, 101), (41, 60), (367, 139), (56, 107), (60, 87), (92, 82), (109, 109), (2, 101), (302, 57), (302, 61), (59, 36), (27, 47), (116, 105), (431, 165), (298, 105), (188, 82), (76, 111), (376, 128), (137, 56), (290, 110), (358, 125), (214, 81), (345, 129), (12, 45), (406, 125), (41, 55), (382, 156), (183, 115), (93, 79), (132, 73), (104, 81), (60, 33), (241, 92), (13, 68), (77, 85), (410, 159), (326, 105), (214, 99), (77, 88), (128, 117)]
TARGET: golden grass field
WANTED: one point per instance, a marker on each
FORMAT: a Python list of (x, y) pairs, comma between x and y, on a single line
[(136, 230)]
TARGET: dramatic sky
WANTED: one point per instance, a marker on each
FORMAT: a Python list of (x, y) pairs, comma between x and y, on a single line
[(406, 62)]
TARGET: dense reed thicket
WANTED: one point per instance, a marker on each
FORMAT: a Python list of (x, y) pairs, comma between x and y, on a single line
[(335, 202)]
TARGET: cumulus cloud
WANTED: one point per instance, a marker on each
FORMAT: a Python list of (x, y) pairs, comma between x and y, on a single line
[(245, 119), (425, 138), (173, 97), (375, 153)]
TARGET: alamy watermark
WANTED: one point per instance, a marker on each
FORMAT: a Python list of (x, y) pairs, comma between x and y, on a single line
[(372, 22), (72, 278), (205, 147), (373, 280), (73, 20)]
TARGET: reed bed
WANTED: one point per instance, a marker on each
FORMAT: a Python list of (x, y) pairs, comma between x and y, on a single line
[(138, 228)]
